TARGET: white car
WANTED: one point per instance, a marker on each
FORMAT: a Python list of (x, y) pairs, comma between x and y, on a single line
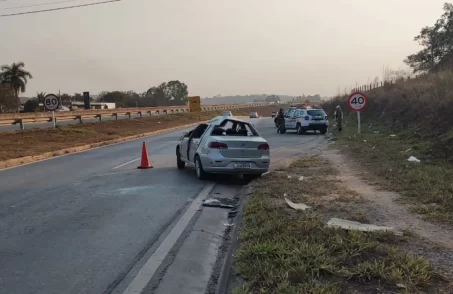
[(227, 113), (224, 145), (305, 118), (254, 114)]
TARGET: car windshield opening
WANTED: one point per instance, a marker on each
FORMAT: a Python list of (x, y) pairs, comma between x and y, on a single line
[(234, 128)]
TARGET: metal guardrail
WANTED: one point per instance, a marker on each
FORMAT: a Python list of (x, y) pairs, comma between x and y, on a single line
[(40, 117)]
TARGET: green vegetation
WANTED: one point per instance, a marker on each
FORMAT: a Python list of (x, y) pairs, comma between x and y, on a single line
[(15, 77), (418, 112), (287, 251)]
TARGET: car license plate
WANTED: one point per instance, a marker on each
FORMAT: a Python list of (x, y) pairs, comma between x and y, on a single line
[(242, 165)]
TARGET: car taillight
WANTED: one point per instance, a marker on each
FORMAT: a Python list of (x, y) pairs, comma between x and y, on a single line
[(263, 146), (325, 117), (307, 118), (218, 145)]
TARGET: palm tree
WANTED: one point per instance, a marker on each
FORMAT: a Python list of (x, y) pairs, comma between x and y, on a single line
[(16, 77), (40, 96)]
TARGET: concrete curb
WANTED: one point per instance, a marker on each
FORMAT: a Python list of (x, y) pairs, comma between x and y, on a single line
[(227, 266), (47, 155)]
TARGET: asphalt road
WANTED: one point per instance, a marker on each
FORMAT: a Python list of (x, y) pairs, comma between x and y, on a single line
[(88, 222)]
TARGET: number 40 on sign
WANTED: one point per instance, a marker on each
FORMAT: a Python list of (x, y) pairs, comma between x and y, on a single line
[(357, 102)]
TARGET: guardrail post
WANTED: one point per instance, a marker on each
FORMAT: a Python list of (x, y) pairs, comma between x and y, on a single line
[(128, 114), (100, 117), (21, 124), (80, 119), (165, 111), (115, 115), (140, 113)]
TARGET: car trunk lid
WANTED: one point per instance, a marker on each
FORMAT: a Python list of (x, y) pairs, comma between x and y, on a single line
[(241, 146)]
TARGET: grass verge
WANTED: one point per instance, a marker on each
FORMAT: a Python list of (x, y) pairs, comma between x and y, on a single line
[(426, 186), (37, 141), (287, 251)]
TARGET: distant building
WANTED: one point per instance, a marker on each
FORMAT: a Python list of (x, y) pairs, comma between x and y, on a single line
[(94, 105)]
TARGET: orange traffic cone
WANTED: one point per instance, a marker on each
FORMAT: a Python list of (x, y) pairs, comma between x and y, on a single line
[(145, 160)]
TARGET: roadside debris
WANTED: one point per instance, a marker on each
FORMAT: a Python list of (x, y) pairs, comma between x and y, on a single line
[(392, 136), (220, 202), (296, 206), (352, 225), (405, 151), (375, 132), (289, 177), (413, 159), (301, 178)]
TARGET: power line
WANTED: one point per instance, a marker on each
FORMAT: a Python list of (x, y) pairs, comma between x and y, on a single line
[(34, 5), (59, 8)]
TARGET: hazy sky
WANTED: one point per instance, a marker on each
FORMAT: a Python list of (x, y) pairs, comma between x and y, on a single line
[(223, 47)]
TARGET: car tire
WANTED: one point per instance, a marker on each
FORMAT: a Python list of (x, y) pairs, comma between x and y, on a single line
[(181, 164), (250, 177), (201, 174), (323, 131)]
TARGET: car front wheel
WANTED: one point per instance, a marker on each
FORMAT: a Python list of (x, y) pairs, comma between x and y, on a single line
[(201, 174)]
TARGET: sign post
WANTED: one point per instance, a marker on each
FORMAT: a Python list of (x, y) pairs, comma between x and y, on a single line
[(51, 102), (195, 105), (357, 102)]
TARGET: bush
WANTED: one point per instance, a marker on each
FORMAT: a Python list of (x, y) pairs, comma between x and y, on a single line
[(31, 105), (421, 107)]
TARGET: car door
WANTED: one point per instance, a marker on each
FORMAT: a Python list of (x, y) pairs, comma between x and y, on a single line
[(290, 122), (183, 144), (194, 141)]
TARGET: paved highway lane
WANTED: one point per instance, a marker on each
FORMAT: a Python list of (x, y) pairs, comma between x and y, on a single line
[(80, 223)]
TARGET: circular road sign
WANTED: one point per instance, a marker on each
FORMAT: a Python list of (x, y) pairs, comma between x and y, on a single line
[(357, 101), (51, 102)]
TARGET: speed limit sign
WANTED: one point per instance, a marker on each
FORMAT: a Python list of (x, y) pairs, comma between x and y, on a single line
[(51, 102), (357, 101)]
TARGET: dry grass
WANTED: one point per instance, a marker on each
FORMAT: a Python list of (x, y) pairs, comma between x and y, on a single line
[(36, 141), (418, 112), (287, 251)]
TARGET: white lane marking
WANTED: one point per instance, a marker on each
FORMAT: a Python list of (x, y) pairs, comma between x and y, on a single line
[(126, 163), (149, 269)]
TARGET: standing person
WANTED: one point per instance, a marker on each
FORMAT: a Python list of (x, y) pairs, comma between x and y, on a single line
[(339, 117)]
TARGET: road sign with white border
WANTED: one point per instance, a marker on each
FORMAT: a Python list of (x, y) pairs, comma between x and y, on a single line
[(357, 101), (51, 102)]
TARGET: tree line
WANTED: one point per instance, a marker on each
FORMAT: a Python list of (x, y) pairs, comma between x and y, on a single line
[(14, 79), (437, 45)]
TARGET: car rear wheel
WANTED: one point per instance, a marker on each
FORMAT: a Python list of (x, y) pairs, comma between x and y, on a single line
[(181, 164), (201, 174), (323, 131)]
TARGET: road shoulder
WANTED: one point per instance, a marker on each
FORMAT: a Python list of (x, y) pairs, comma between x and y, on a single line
[(288, 250)]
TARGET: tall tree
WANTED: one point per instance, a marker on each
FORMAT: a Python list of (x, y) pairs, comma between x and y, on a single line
[(437, 43), (16, 77), (171, 93), (40, 96), (8, 101)]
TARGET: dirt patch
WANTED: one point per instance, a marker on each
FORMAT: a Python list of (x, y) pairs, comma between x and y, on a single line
[(382, 207), (287, 251), (37, 141)]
